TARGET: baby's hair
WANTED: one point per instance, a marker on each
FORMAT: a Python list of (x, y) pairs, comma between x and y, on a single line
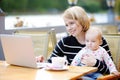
[(95, 31)]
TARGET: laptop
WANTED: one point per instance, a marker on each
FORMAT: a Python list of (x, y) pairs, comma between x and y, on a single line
[(18, 50)]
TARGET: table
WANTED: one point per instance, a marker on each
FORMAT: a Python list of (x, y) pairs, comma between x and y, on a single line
[(12, 72)]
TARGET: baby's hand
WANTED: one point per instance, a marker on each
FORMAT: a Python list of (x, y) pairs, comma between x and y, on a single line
[(39, 58), (88, 60), (116, 73)]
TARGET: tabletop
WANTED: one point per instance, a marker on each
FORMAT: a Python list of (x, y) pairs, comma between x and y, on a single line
[(13, 72)]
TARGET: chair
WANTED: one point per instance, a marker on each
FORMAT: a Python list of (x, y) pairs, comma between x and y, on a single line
[(43, 41), (114, 44), (53, 37), (107, 29)]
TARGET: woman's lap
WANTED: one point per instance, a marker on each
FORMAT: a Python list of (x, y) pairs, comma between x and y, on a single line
[(92, 76)]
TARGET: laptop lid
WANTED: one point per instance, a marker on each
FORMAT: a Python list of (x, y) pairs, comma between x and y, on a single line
[(18, 50)]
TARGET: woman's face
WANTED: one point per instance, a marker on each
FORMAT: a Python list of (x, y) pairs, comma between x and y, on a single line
[(73, 27)]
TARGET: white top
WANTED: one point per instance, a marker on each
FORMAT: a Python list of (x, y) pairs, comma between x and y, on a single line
[(99, 54)]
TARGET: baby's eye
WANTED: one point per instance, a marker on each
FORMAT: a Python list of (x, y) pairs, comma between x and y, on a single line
[(72, 23), (66, 25), (87, 40), (93, 41)]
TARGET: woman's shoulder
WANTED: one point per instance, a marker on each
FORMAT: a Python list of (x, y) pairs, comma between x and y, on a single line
[(69, 40), (103, 41)]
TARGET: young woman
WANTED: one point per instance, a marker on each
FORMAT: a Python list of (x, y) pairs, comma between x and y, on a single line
[(77, 23)]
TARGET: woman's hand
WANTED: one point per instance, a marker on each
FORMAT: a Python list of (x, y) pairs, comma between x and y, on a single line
[(40, 58), (88, 60)]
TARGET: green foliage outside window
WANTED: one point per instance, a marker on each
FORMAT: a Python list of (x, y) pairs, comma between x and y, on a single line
[(117, 7), (46, 6), (90, 5)]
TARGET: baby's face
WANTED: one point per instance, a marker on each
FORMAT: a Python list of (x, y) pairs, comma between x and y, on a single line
[(92, 41)]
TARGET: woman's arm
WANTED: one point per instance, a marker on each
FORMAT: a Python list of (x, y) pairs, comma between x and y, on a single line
[(57, 51), (102, 67)]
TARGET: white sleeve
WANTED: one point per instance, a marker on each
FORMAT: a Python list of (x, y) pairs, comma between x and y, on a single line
[(77, 59), (109, 62)]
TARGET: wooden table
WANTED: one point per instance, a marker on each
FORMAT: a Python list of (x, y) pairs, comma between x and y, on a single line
[(10, 72)]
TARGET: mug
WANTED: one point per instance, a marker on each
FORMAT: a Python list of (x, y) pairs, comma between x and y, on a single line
[(59, 62)]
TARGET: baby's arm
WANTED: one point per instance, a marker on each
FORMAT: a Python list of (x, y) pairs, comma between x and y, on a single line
[(110, 63), (77, 59)]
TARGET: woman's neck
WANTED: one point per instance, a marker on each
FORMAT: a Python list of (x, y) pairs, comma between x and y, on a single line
[(81, 38)]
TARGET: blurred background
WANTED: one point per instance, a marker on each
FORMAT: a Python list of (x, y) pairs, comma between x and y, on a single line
[(32, 11), (49, 6), (41, 15)]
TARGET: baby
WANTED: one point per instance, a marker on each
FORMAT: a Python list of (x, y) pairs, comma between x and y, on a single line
[(93, 40)]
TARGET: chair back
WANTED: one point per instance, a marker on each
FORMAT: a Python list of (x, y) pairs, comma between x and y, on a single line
[(114, 45), (43, 41)]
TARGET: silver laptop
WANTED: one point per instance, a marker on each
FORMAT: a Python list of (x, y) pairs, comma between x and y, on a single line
[(18, 50)]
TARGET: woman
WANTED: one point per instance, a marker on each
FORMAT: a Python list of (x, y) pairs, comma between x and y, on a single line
[(77, 23)]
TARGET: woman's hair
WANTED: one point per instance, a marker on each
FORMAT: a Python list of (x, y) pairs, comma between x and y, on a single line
[(79, 14)]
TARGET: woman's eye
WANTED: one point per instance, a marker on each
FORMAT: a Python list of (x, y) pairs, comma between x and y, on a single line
[(71, 22)]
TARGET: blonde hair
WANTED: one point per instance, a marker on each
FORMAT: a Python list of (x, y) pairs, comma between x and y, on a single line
[(79, 14)]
